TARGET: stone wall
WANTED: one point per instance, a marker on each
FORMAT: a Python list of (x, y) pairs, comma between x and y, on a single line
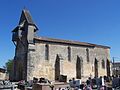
[(20, 59), (30, 56), (39, 67), (2, 76), (29, 60)]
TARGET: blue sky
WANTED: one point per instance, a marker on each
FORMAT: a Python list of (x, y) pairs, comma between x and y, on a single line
[(94, 21)]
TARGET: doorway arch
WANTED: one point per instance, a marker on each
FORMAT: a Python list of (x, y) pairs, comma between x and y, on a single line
[(57, 67), (79, 66), (96, 67), (108, 67)]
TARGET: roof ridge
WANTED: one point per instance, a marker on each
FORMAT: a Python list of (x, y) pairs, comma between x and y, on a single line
[(26, 16), (70, 41)]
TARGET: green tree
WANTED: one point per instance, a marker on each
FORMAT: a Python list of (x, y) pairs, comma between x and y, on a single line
[(9, 65)]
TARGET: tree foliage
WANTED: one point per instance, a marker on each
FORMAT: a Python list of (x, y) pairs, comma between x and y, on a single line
[(9, 65)]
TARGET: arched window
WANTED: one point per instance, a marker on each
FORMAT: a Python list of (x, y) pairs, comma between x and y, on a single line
[(69, 54), (96, 67), (46, 52), (108, 67), (87, 54), (103, 64), (79, 67), (57, 67)]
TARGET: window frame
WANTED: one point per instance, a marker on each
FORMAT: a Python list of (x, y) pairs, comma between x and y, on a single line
[(87, 55), (46, 52), (103, 63), (69, 53)]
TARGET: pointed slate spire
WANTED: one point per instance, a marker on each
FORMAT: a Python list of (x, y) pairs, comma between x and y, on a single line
[(26, 17), (25, 28)]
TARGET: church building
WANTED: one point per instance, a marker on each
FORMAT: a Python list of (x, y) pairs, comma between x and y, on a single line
[(37, 56)]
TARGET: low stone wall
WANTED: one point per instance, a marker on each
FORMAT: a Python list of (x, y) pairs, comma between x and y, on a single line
[(56, 86), (2, 76)]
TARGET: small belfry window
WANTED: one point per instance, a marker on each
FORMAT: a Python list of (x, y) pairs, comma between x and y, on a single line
[(69, 54), (103, 64), (46, 52), (87, 54)]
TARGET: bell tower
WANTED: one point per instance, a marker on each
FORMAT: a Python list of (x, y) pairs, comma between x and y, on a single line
[(23, 36), (26, 28)]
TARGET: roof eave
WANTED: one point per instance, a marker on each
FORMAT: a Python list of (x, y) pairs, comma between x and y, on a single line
[(69, 42)]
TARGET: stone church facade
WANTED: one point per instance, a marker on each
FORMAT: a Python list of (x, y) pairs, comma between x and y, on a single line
[(46, 57)]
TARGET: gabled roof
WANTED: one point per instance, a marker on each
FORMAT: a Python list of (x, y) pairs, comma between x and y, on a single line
[(15, 29), (25, 16), (69, 42)]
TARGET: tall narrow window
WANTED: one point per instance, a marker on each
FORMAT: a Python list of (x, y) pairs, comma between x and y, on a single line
[(79, 67), (69, 54), (87, 54), (96, 67), (46, 52), (103, 64)]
